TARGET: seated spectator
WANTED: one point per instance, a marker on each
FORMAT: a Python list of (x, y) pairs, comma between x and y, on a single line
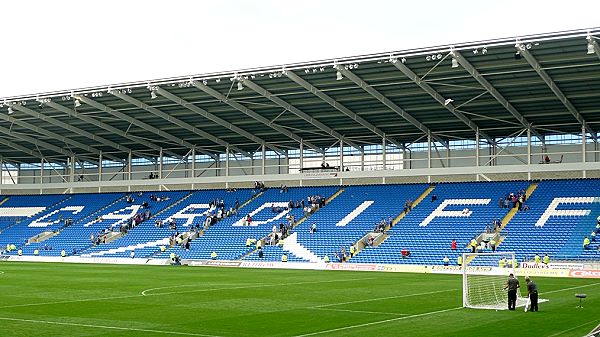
[(546, 159), (446, 260), (586, 243), (525, 207), (453, 245), (313, 228), (261, 254), (405, 253), (465, 211)]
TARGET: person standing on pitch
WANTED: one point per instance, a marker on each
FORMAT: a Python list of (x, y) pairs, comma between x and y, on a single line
[(512, 285), (533, 294)]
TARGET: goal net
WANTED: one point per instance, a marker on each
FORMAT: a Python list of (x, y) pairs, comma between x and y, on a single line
[(484, 278)]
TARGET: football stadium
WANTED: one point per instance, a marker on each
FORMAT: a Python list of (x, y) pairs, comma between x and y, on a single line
[(401, 193)]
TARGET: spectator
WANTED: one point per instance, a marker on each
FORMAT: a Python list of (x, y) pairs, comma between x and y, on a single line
[(473, 245), (593, 236), (586, 243), (313, 228), (459, 260), (261, 254), (546, 159), (546, 260), (405, 253), (284, 257), (453, 245), (132, 255), (213, 255), (446, 260)]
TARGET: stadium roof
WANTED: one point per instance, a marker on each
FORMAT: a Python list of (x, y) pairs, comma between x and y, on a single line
[(499, 87)]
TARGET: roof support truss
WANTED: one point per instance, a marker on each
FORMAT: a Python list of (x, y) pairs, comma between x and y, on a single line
[(215, 119), (552, 85), (136, 122), (262, 91), (173, 120), (36, 142), (391, 105), (102, 125), (249, 112), (56, 136), (440, 99), (341, 108), (497, 95)]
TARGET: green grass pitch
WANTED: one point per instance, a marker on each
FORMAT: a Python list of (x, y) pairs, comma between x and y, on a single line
[(52, 299)]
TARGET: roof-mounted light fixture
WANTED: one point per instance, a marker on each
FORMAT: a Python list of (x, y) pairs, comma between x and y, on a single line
[(590, 45)]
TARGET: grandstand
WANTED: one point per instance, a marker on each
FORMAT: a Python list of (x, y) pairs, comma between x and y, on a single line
[(450, 127), (407, 150)]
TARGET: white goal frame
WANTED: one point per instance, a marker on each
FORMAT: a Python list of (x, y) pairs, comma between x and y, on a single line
[(490, 281)]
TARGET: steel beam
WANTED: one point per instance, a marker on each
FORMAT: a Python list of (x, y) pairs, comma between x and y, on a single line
[(215, 119), (36, 142), (48, 133), (69, 127), (21, 148), (102, 125), (338, 106), (173, 120), (439, 98), (494, 92), (555, 89), (251, 113), (391, 105), (135, 122), (264, 92)]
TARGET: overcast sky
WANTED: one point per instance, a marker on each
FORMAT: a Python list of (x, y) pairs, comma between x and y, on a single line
[(62, 44)]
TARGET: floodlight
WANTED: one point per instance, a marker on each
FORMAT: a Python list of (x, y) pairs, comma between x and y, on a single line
[(153, 94), (518, 55), (590, 46), (77, 103), (448, 101), (454, 63), (240, 86), (338, 75), (10, 110)]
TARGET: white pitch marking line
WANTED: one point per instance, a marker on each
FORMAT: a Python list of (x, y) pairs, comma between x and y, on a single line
[(385, 298), (250, 286), (190, 285), (571, 288), (378, 322), (573, 328), (361, 311), (106, 327)]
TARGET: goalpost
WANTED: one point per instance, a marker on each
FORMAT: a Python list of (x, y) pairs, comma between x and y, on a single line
[(484, 280)]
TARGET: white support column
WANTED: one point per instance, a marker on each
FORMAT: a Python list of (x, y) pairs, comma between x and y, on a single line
[(428, 150), (193, 162), (160, 163), (583, 147), (129, 166), (362, 159), (100, 166), (383, 152), (42, 171), (263, 162), (529, 153), (477, 149), (72, 169), (448, 156), (1, 170), (227, 161), (301, 156), (341, 156)]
